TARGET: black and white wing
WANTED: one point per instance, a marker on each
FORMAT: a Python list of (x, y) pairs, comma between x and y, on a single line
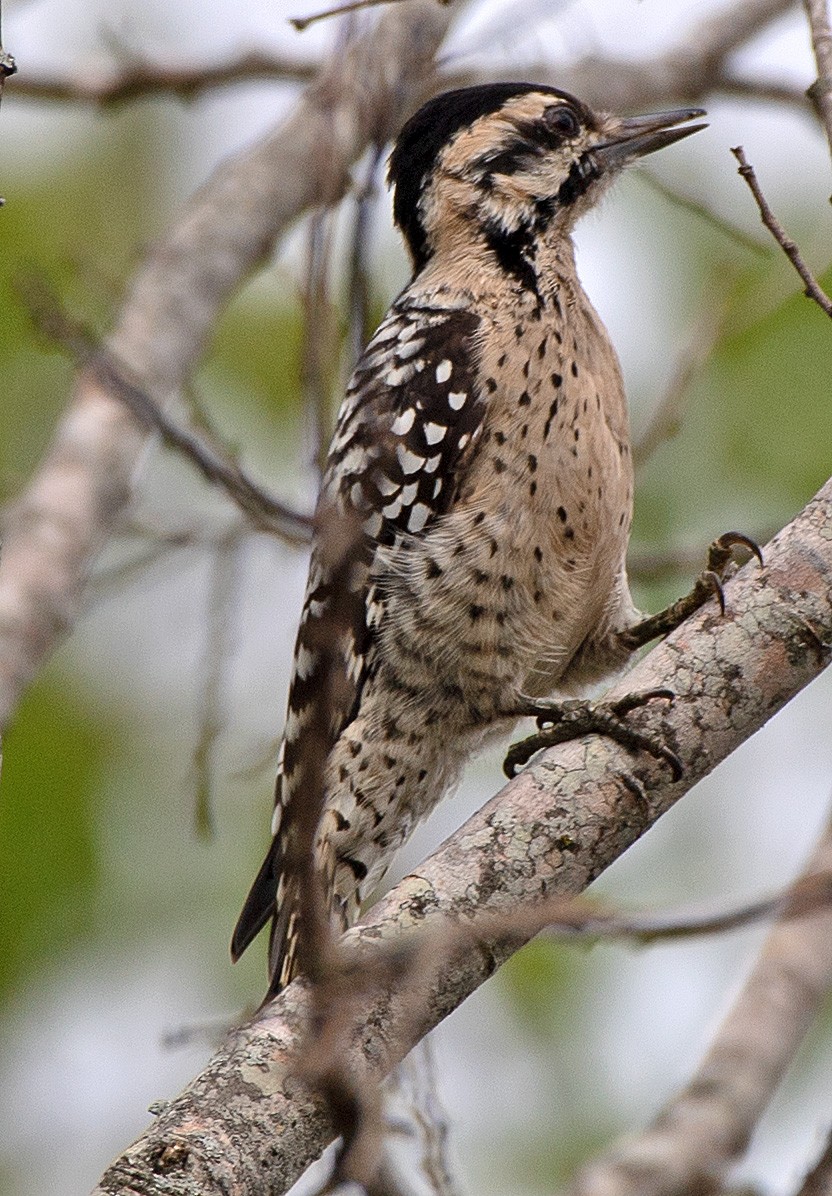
[(412, 412)]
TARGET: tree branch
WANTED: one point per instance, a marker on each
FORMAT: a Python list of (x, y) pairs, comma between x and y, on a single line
[(695, 66), (77, 496), (820, 93), (245, 1125), (705, 1128), (126, 83), (812, 287)]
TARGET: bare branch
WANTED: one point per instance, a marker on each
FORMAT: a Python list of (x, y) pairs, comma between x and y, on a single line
[(706, 1127), (820, 93), (733, 84), (689, 70), (82, 486), (418, 1084), (667, 417), (134, 81), (702, 212), (358, 287), (217, 647), (583, 803), (813, 289), (215, 464), (320, 341), (338, 10)]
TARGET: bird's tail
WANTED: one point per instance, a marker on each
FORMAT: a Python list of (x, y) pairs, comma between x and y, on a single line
[(275, 895)]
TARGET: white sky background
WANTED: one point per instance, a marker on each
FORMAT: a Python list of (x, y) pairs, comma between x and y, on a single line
[(79, 1060)]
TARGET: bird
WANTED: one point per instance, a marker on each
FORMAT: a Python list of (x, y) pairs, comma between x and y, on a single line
[(482, 452)]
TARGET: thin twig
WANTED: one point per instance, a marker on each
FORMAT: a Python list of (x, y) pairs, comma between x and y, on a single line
[(264, 511), (732, 83), (420, 1088), (320, 335), (355, 1108), (302, 23), (820, 93), (813, 289), (358, 287), (217, 648), (688, 204), (667, 416)]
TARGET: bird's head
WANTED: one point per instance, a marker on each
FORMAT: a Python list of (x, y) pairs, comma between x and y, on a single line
[(506, 160)]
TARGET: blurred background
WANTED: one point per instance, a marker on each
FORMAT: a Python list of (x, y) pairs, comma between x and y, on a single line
[(137, 781)]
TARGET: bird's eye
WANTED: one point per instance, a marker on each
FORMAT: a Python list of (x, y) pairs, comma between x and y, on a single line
[(563, 119)]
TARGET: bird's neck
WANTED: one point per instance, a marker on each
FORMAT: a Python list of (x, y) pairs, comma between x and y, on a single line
[(488, 262)]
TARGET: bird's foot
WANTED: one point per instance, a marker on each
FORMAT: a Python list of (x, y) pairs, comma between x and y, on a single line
[(562, 721), (708, 585)]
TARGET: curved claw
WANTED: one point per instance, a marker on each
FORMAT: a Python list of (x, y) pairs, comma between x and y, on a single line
[(711, 578), (518, 755), (730, 540), (633, 701)]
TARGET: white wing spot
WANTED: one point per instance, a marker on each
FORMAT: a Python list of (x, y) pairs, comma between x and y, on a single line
[(277, 818), (387, 486), (295, 721), (316, 608), (355, 664), (397, 376), (372, 524), (463, 440), (357, 494), (432, 463), (387, 331), (392, 510), (404, 422), (437, 486), (434, 433), (402, 352), (457, 399), (304, 662), (444, 370), (418, 517), (410, 462), (409, 493)]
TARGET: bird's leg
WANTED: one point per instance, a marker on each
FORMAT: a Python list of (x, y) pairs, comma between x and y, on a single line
[(562, 721), (708, 585), (573, 717)]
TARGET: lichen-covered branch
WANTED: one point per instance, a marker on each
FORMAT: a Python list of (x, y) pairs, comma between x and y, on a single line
[(246, 1125)]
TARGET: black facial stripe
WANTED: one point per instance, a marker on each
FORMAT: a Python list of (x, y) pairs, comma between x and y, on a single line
[(511, 251), (581, 175), (539, 134), (513, 157)]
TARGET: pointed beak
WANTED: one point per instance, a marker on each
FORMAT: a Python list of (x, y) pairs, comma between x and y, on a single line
[(633, 136)]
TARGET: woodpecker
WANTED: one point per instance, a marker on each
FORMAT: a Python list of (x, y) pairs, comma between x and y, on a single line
[(484, 445)]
